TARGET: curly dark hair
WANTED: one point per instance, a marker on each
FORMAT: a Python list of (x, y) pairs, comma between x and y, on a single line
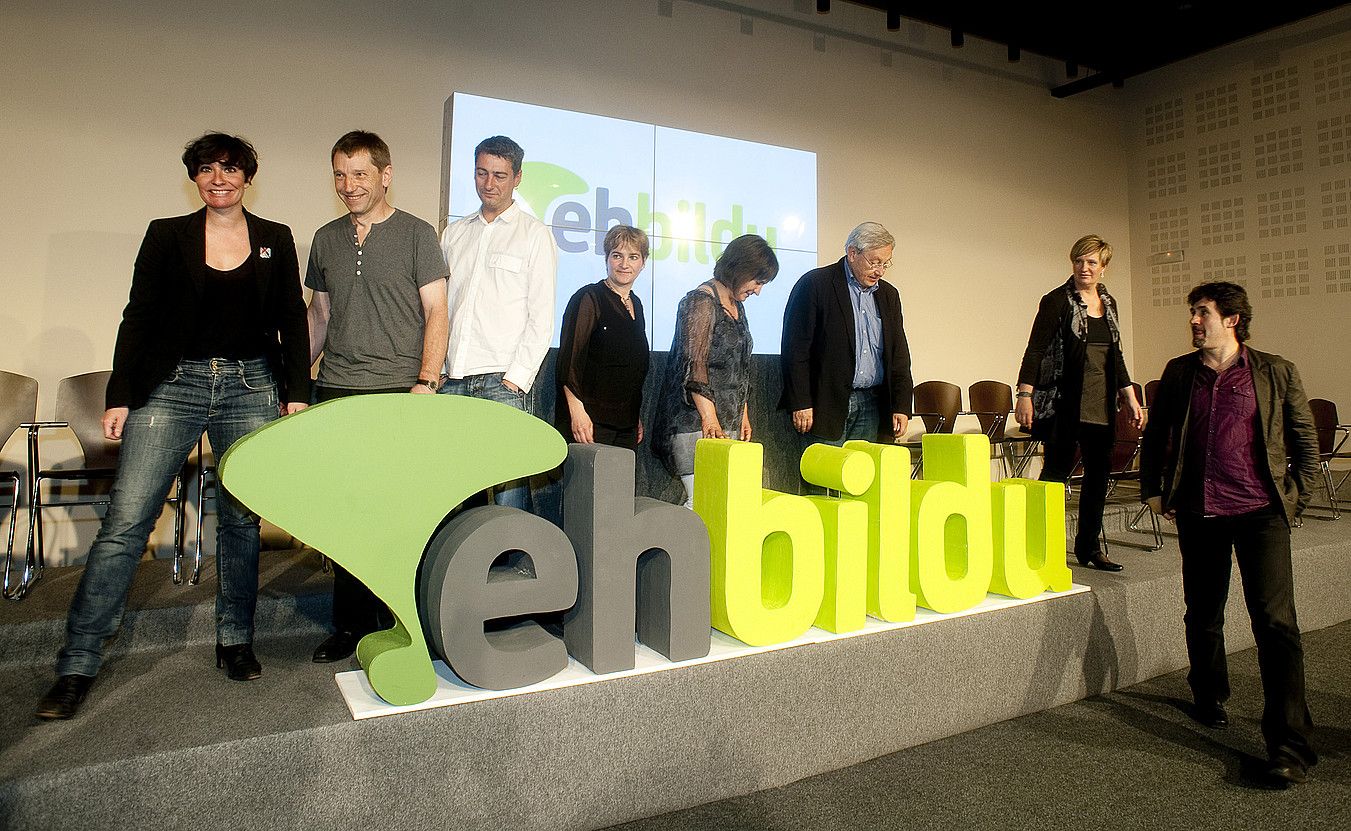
[(220, 147)]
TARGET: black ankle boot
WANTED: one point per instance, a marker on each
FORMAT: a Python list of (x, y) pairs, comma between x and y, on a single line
[(64, 698), (239, 662)]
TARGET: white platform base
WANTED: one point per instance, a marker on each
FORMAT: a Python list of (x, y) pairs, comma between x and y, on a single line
[(363, 703)]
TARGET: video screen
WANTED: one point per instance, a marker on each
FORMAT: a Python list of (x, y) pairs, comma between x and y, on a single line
[(691, 192)]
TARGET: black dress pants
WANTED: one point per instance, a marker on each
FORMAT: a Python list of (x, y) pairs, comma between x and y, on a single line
[(1260, 541), (1094, 442), (355, 607)]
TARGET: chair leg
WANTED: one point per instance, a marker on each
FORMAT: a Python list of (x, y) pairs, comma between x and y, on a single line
[(180, 510), (33, 558), (19, 590), (1158, 532), (201, 503), (1332, 490)]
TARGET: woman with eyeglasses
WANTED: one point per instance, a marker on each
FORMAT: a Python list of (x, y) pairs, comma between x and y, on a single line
[(1071, 383), (705, 390), (603, 351)]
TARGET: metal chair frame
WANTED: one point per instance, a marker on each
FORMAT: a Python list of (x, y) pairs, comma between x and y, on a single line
[(21, 405), (992, 404), (1332, 437), (937, 418), (37, 475)]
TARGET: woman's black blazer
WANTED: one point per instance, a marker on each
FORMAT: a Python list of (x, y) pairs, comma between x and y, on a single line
[(166, 291)]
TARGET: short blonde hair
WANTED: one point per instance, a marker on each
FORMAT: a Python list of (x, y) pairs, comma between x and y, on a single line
[(1092, 244)]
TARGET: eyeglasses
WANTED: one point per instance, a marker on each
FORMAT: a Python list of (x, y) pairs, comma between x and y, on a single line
[(877, 265)]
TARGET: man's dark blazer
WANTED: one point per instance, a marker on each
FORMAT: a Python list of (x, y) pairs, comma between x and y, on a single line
[(818, 352), (166, 291), (1285, 428)]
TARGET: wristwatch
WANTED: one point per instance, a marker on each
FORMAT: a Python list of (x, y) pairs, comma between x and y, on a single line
[(1024, 395), (431, 385)]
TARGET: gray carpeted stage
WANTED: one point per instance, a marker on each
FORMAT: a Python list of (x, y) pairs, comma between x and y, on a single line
[(165, 741)]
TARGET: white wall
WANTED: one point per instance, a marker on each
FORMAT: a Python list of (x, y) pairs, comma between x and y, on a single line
[(982, 176), (1258, 139)]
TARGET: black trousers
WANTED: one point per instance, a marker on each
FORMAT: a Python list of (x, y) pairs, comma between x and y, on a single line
[(1260, 541), (355, 607), (1094, 442)]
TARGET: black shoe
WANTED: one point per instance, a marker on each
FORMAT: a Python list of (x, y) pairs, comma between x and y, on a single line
[(63, 699), (239, 662), (1211, 714), (1283, 773), (1098, 560), (336, 647)]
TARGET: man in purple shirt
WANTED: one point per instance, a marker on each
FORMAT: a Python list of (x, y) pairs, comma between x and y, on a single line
[(1230, 453)]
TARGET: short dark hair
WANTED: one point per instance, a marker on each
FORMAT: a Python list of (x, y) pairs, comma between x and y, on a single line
[(503, 148), (354, 142), (745, 259), (220, 147), (1229, 299)]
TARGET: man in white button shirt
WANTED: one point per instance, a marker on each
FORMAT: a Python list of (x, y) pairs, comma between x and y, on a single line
[(503, 266)]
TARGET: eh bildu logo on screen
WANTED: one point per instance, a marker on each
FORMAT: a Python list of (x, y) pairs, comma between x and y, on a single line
[(687, 236)]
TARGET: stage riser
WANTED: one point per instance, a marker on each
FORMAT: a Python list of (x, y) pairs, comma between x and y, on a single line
[(591, 756)]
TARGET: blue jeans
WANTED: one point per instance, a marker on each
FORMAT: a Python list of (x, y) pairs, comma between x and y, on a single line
[(861, 423), (225, 399), (514, 494)]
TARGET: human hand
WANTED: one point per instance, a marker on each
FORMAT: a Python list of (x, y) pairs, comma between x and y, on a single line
[(114, 418), (900, 423), (293, 407), (583, 429), (511, 386), (640, 432), (802, 420), (1022, 413), (713, 430)]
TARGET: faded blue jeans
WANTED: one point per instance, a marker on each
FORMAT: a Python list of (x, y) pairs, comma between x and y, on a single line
[(516, 493), (225, 399)]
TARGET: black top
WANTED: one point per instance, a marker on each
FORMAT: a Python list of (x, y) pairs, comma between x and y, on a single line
[(1094, 399), (167, 286), (229, 323), (710, 356), (602, 358)]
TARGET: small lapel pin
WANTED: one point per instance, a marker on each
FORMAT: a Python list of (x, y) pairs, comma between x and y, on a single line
[(265, 253)]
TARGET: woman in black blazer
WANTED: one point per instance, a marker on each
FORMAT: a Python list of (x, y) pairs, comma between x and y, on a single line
[(213, 339), (1071, 383)]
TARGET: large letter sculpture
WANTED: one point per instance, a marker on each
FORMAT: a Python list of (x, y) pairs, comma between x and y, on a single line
[(952, 546), (1029, 546), (367, 479), (767, 548), (462, 591), (638, 558)]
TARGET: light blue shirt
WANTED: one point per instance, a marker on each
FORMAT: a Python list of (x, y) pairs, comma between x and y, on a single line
[(867, 332)]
